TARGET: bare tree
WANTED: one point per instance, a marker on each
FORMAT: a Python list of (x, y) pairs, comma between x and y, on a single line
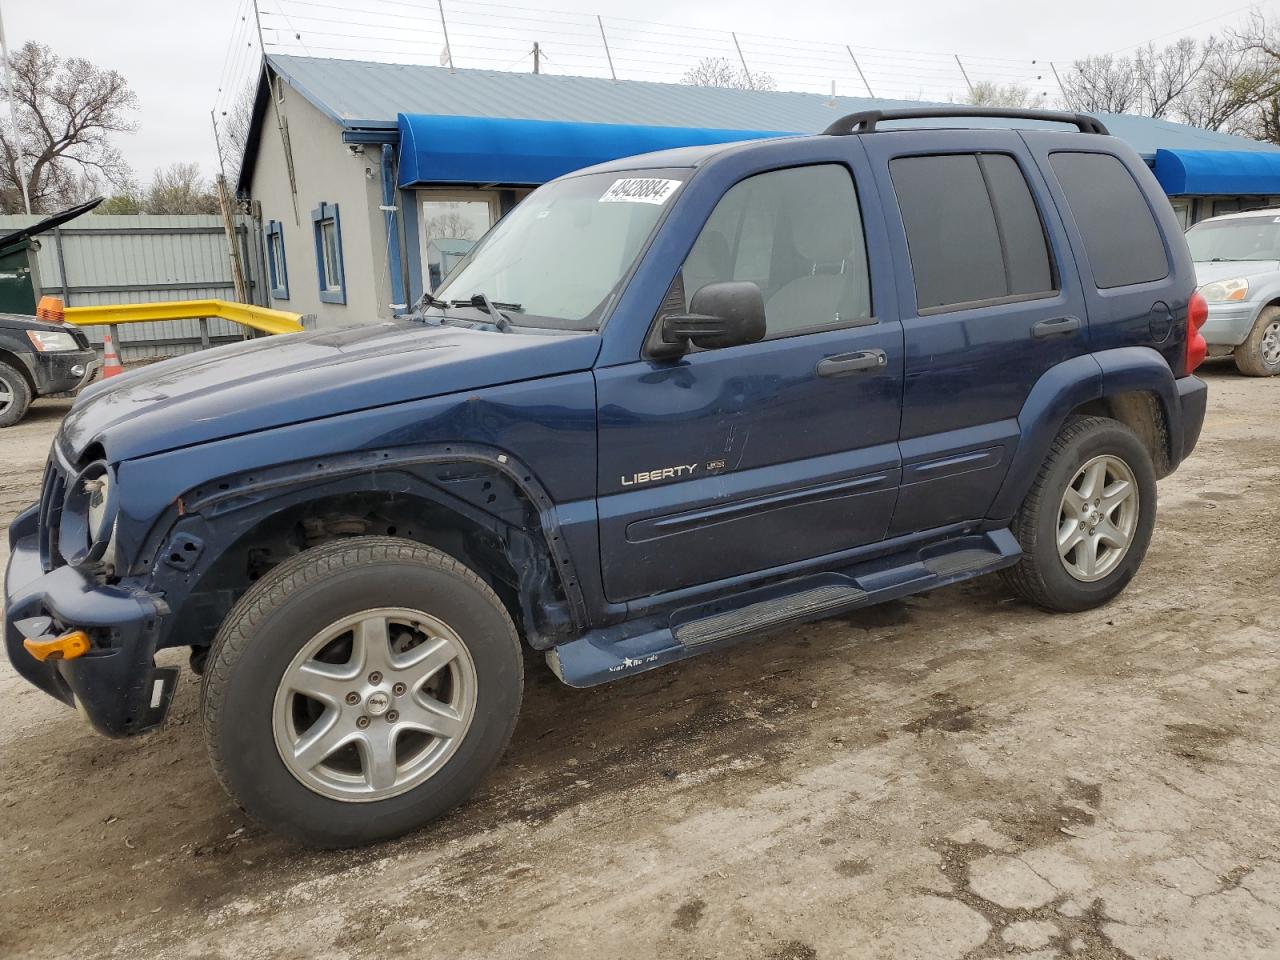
[(1102, 84), (179, 188), (720, 72), (1229, 82), (1164, 74), (67, 111), (233, 129), (987, 93)]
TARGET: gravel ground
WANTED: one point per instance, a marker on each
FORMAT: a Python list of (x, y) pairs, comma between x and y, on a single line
[(954, 775)]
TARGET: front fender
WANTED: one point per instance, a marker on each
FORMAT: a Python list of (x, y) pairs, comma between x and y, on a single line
[(1070, 385), (211, 519)]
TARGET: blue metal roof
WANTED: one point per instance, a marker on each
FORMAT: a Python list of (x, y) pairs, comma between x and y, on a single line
[(1224, 172), (436, 149)]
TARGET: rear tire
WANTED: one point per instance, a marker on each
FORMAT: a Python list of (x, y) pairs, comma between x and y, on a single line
[(1259, 355), (360, 690), (1085, 525), (15, 395)]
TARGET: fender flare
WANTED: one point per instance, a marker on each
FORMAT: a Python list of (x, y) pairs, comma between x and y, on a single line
[(1069, 385)]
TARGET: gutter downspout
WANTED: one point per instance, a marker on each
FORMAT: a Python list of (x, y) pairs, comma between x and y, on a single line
[(395, 261)]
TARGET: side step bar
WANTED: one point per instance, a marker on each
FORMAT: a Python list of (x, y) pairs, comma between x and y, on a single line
[(636, 646)]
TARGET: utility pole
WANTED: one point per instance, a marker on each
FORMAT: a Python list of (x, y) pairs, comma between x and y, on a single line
[(537, 57), (13, 120), (233, 248)]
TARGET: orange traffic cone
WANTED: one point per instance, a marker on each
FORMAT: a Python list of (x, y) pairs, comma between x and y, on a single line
[(110, 359)]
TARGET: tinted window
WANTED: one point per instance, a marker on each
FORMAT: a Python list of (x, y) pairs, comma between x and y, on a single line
[(973, 230), (1120, 235), (797, 234)]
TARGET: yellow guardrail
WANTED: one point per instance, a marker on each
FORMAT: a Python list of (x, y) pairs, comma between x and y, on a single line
[(247, 315)]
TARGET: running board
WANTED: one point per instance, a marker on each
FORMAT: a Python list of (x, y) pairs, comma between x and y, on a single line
[(645, 644)]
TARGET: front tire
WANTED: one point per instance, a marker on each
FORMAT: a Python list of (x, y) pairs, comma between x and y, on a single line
[(360, 690), (1259, 355), (15, 395), (1086, 523)]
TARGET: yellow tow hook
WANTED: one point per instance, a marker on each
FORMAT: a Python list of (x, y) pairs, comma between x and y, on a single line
[(68, 646)]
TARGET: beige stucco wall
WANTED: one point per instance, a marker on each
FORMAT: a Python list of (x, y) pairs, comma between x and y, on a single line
[(326, 170)]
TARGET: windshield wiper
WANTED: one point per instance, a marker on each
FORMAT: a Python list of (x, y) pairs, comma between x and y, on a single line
[(482, 302)]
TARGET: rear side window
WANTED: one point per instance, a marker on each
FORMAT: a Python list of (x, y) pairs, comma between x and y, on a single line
[(1120, 235), (973, 230)]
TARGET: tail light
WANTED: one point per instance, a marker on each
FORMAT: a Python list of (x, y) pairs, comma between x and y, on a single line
[(1197, 314), (50, 308)]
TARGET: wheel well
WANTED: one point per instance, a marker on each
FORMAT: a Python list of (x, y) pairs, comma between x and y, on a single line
[(7, 356), (512, 557), (1142, 412)]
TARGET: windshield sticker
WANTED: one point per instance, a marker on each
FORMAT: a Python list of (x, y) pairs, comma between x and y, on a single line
[(640, 190)]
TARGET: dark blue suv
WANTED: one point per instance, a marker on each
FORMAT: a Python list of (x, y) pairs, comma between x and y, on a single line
[(666, 403)]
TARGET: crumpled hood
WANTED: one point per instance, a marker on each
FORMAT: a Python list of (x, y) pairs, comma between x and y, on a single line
[(1208, 271), (271, 382)]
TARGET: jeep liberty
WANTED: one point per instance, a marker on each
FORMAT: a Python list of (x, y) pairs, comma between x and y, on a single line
[(667, 403)]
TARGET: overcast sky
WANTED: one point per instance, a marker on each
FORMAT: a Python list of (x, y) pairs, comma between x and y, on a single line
[(174, 52)]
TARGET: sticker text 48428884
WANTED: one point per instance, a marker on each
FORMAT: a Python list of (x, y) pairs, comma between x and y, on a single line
[(640, 190)]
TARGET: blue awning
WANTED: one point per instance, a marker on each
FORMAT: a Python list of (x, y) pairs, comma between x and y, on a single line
[(1218, 172), (476, 150)]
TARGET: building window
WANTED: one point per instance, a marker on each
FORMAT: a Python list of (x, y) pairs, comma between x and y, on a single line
[(277, 272), (328, 230), (450, 225)]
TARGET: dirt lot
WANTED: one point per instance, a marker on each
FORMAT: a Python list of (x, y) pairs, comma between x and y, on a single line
[(957, 775)]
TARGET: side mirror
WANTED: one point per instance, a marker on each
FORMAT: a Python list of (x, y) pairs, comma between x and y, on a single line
[(720, 315)]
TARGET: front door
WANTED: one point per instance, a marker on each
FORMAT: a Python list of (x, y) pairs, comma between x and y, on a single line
[(745, 459)]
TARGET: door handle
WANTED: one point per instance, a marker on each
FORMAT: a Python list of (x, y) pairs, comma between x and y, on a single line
[(1060, 327), (844, 364)]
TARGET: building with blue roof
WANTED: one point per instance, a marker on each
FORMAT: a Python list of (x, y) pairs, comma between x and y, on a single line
[(371, 179)]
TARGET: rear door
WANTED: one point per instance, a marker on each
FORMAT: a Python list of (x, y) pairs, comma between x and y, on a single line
[(727, 462), (990, 301)]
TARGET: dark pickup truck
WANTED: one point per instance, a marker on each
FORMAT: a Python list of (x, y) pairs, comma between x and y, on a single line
[(666, 403)]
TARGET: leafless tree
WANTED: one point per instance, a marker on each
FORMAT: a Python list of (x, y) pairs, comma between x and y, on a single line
[(1164, 75), (720, 72), (67, 111), (233, 129), (1102, 84), (179, 188), (987, 93), (1229, 82)]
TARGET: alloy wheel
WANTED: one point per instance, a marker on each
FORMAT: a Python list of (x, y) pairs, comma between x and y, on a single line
[(1097, 518), (374, 704)]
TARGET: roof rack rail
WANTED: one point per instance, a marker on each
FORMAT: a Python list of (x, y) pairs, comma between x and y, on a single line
[(865, 121)]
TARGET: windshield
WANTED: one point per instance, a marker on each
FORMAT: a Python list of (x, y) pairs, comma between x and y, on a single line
[(560, 257), (1248, 238)]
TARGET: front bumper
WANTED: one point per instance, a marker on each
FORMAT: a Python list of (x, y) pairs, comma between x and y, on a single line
[(1229, 323), (116, 684), (64, 371)]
